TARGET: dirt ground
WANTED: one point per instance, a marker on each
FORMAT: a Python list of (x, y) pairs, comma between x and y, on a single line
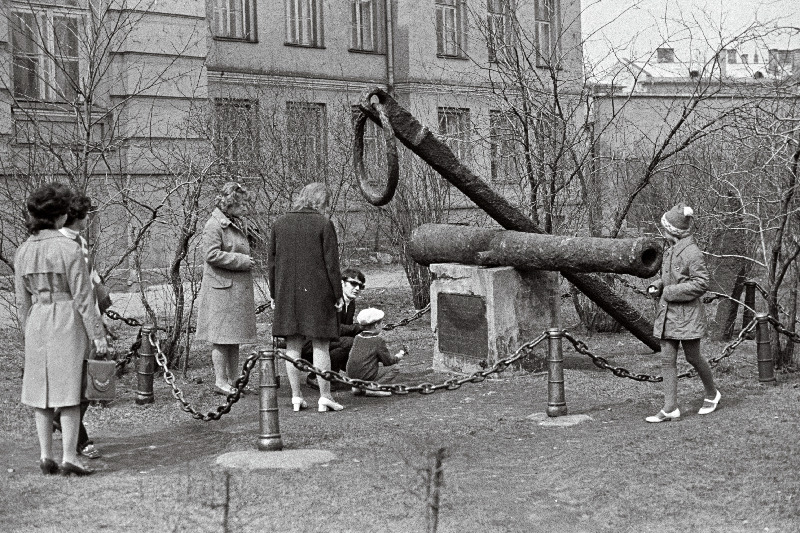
[(736, 470)]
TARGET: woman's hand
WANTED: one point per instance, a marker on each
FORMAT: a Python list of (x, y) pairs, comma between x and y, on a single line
[(101, 346)]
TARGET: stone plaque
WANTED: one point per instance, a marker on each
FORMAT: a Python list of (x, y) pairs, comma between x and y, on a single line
[(462, 325)]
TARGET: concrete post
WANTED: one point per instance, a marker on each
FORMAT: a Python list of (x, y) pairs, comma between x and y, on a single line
[(145, 368), (766, 368), (556, 404), (269, 438)]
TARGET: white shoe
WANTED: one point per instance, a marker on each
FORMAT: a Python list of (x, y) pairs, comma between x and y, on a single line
[(664, 417), (298, 403), (709, 406), (326, 404)]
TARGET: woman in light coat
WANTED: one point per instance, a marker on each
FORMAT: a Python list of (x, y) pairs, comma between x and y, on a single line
[(681, 319), (306, 288), (226, 303), (59, 318)]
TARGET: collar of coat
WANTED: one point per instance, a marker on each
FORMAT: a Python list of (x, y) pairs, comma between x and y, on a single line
[(47, 234), (681, 245), (223, 219)]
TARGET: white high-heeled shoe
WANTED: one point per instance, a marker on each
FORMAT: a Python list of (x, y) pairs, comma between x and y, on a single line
[(663, 416), (298, 403), (709, 406), (326, 404)]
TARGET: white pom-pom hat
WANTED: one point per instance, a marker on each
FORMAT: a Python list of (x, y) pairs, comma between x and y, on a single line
[(678, 220), (369, 316)]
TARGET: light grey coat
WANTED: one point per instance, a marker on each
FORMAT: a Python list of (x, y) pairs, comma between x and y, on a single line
[(226, 303), (684, 279), (58, 315)]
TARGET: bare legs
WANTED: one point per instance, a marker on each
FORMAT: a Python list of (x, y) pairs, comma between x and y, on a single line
[(226, 364), (322, 360), (70, 423), (669, 369), (293, 347)]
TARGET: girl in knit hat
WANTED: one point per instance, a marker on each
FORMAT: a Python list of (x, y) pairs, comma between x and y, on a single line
[(681, 318)]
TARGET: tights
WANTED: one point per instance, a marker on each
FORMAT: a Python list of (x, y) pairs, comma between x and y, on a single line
[(669, 369)]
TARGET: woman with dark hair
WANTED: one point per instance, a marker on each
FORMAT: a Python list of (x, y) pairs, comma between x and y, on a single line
[(226, 304), (306, 288), (59, 319)]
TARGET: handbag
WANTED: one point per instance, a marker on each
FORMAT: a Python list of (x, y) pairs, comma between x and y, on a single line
[(99, 379)]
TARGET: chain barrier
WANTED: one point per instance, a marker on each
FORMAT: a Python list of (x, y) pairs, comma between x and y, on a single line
[(169, 377), (406, 321), (601, 362), (625, 283), (422, 388)]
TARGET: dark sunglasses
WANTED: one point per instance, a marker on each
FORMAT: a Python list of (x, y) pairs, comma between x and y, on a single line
[(355, 283)]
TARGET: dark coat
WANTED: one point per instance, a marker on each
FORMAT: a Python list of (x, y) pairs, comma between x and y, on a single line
[(304, 276), (226, 303), (58, 316), (684, 279)]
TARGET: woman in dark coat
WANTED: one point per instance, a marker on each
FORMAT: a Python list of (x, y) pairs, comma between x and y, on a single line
[(59, 319), (226, 301), (305, 285), (681, 319)]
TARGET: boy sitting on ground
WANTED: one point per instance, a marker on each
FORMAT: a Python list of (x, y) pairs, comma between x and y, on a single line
[(370, 359)]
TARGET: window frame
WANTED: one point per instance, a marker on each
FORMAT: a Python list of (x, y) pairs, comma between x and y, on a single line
[(499, 13), (304, 28), (249, 20), (229, 154), (376, 27), (455, 128), (43, 52), (455, 47), (502, 147), (319, 132), (551, 22)]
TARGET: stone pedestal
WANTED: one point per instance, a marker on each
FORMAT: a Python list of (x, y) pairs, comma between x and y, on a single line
[(481, 315)]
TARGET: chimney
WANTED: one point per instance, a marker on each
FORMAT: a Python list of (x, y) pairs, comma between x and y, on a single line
[(665, 55)]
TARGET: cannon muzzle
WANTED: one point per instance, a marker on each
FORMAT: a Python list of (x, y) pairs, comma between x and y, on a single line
[(450, 243)]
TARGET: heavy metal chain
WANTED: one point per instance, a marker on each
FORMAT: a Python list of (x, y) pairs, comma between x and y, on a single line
[(239, 385), (620, 372), (583, 349), (406, 321), (780, 328), (422, 388)]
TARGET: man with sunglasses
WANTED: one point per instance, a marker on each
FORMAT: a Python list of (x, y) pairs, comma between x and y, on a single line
[(353, 282)]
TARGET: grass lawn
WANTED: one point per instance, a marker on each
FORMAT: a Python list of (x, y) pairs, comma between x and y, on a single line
[(736, 470)]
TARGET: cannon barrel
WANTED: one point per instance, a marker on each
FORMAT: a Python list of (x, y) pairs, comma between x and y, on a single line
[(419, 139), (451, 243)]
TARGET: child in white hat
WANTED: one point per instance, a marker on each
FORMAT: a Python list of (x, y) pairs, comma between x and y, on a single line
[(681, 319), (370, 359)]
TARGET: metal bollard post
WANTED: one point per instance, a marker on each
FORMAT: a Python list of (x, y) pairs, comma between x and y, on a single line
[(556, 404), (269, 438), (145, 368), (750, 303), (766, 368)]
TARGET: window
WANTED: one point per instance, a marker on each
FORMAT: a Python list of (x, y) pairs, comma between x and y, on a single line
[(46, 54), (500, 34), (454, 127), (366, 25), (501, 146), (304, 22), (451, 28), (546, 11), (235, 19), (306, 127), (236, 140)]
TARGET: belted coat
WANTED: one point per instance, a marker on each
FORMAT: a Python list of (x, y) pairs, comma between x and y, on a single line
[(226, 303), (684, 279), (304, 276), (58, 317)]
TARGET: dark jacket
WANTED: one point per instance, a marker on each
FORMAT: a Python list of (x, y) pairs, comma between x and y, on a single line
[(346, 316), (304, 276), (684, 279)]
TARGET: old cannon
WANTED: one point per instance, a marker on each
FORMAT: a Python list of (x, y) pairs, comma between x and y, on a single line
[(397, 123), (451, 243)]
